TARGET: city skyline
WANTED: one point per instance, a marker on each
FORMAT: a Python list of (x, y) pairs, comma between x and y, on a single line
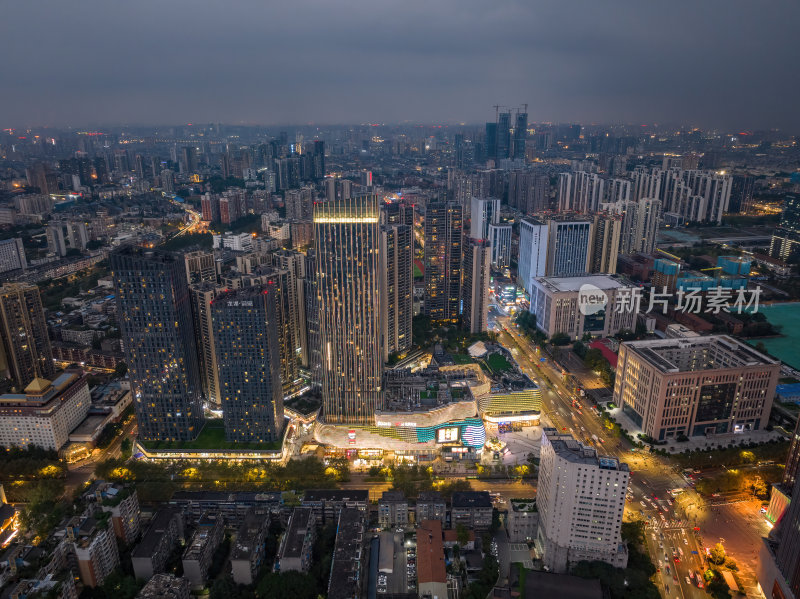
[(363, 63)]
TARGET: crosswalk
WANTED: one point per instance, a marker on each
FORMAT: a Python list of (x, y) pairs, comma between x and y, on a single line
[(668, 525)]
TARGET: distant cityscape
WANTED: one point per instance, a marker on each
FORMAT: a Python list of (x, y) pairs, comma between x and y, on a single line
[(513, 359)]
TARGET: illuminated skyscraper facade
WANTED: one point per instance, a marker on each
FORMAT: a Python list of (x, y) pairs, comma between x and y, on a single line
[(347, 243), (155, 316)]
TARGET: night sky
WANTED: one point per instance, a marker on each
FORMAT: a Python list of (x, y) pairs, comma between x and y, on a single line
[(707, 63)]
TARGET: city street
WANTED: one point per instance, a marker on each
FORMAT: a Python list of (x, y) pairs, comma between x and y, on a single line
[(670, 532)]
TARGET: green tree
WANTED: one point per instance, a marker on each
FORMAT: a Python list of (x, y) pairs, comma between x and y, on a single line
[(287, 584), (462, 535), (717, 554), (121, 586), (559, 339)]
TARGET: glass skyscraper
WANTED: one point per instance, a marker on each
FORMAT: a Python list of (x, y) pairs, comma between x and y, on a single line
[(347, 244)]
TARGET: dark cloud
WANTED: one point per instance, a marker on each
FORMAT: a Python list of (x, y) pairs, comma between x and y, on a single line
[(705, 62)]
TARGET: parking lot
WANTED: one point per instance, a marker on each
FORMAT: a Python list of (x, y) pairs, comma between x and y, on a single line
[(403, 577)]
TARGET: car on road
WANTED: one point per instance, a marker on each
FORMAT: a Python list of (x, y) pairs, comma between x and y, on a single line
[(688, 580)]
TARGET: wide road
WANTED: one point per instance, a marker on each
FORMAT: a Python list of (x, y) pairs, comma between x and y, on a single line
[(652, 478)]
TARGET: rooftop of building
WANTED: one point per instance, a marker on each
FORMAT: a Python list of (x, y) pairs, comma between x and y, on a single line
[(393, 497), (430, 497), (349, 495), (523, 505), (296, 534), (151, 255), (574, 284), (346, 566), (695, 354), (567, 448), (250, 534), (164, 586), (40, 390), (451, 535), (201, 537), (470, 499), (152, 537), (430, 553), (225, 496)]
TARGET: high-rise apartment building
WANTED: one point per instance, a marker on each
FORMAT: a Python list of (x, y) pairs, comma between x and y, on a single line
[(786, 238), (503, 135), (581, 499), (398, 213), (580, 192), (299, 203), (695, 386), (155, 316), (313, 348), (284, 281), (248, 358), (318, 157), (25, 351), (640, 223), (347, 245), (477, 259), (483, 212), (443, 255), (742, 188), (553, 248), (500, 242), (12, 255), (605, 243), (528, 191), (648, 220), (202, 294), (200, 267), (520, 135), (397, 294)]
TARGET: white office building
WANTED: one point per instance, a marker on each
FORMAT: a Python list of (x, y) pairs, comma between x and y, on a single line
[(557, 248), (578, 305), (581, 499), (46, 413)]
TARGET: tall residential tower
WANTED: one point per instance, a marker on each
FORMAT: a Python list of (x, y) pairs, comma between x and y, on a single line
[(155, 316)]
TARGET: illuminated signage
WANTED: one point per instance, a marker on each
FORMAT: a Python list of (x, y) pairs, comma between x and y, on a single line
[(387, 424), (447, 435)]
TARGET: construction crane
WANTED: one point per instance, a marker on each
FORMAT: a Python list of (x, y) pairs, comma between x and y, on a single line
[(673, 256), (718, 270)]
